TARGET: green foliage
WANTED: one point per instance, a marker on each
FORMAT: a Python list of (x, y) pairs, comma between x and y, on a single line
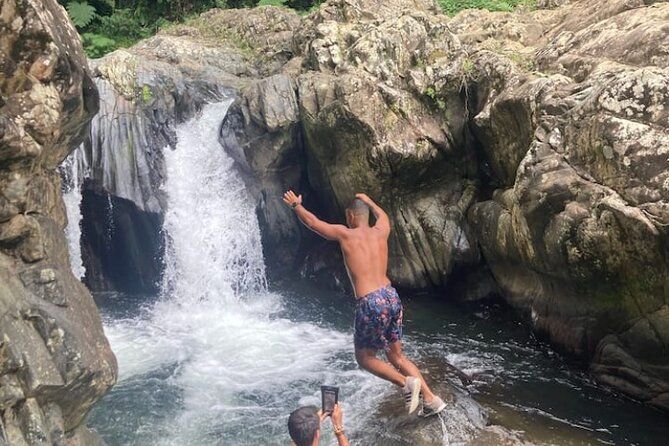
[(467, 68), (303, 5), (432, 94), (125, 26), (81, 13), (242, 3), (452, 7), (97, 45), (147, 94), (272, 3)]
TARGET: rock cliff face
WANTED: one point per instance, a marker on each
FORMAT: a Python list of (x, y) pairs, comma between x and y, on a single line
[(55, 361), (576, 234), (520, 154)]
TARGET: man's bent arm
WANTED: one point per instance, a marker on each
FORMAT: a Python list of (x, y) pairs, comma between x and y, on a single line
[(382, 220)]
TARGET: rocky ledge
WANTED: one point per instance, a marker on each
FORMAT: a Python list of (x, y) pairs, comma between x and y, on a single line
[(524, 155), (55, 361)]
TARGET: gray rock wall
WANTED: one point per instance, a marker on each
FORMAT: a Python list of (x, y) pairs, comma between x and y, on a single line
[(55, 361)]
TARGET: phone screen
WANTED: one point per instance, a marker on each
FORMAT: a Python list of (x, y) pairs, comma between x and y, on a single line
[(330, 396)]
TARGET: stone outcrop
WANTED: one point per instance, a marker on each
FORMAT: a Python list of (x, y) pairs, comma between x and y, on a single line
[(519, 154), (55, 361), (576, 134)]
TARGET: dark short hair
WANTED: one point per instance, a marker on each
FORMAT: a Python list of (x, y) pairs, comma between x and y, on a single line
[(303, 424), (358, 207)]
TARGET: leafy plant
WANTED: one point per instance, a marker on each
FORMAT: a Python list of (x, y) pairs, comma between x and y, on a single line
[(126, 26), (81, 13), (452, 7), (303, 5), (432, 94), (272, 3), (97, 45), (147, 94)]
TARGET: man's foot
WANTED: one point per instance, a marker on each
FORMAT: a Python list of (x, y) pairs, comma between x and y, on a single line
[(432, 408), (411, 393)]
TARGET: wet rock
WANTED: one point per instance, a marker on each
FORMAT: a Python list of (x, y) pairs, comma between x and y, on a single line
[(463, 422), (48, 98), (262, 134), (576, 234)]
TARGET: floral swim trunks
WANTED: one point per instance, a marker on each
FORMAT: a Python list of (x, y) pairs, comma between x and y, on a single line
[(378, 319)]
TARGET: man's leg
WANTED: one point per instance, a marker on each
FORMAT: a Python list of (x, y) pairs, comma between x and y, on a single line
[(408, 368), (367, 359)]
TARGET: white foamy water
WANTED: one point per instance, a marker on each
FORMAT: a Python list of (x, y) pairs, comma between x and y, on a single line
[(235, 367), (72, 200)]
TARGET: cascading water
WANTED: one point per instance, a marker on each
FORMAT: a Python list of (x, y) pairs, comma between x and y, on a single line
[(213, 252), (72, 199)]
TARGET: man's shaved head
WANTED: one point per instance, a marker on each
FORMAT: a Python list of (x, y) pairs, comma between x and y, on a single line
[(357, 214), (358, 208)]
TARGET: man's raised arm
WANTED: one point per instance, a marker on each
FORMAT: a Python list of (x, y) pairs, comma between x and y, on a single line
[(382, 220), (325, 230)]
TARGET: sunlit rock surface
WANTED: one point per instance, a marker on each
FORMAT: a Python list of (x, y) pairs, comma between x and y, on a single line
[(55, 361)]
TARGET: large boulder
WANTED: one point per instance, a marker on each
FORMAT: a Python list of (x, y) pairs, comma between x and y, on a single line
[(262, 134), (372, 124), (55, 361), (576, 234)]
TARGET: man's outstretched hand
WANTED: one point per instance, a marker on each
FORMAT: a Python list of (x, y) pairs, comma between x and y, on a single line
[(291, 199), (363, 197)]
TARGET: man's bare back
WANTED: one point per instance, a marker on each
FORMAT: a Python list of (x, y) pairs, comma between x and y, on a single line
[(365, 253)]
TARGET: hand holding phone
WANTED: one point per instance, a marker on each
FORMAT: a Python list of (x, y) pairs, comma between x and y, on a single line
[(329, 397), (338, 416)]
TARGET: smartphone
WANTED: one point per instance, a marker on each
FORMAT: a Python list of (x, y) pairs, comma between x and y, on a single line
[(330, 397)]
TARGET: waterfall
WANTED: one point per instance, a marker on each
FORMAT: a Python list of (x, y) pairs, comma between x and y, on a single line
[(213, 237), (72, 199)]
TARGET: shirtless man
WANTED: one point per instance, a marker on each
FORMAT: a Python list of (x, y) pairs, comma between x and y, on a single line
[(378, 314)]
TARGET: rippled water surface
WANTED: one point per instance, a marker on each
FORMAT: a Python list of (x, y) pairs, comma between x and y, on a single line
[(200, 378)]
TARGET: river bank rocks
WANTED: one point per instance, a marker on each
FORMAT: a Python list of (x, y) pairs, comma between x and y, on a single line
[(575, 233), (523, 155), (55, 361)]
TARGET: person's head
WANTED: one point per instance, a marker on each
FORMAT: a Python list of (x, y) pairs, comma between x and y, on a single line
[(357, 214), (304, 426)]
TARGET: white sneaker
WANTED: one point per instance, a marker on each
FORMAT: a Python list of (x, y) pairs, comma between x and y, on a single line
[(434, 407), (411, 393)]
